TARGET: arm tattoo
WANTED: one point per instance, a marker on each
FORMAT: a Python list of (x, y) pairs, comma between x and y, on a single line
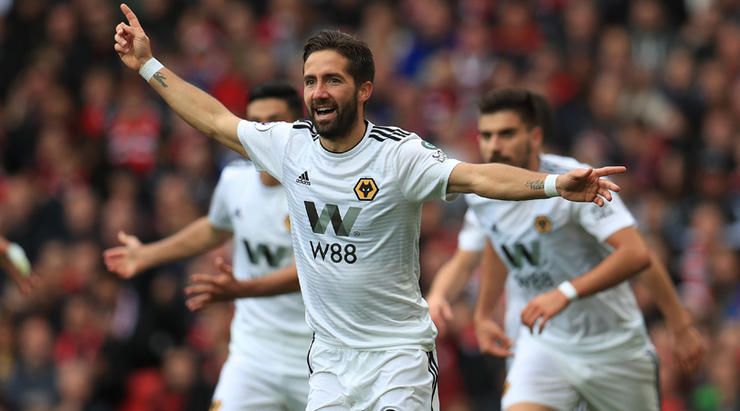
[(535, 184), (160, 79)]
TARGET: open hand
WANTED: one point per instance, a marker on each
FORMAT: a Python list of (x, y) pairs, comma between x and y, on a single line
[(124, 260), (491, 339), (586, 184), (542, 308), (132, 44), (689, 347), (441, 313), (205, 289)]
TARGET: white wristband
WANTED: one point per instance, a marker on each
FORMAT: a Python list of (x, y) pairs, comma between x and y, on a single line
[(568, 290), (151, 67), (18, 258), (550, 189)]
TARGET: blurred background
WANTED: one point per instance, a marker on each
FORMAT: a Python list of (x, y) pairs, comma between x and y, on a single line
[(86, 149)]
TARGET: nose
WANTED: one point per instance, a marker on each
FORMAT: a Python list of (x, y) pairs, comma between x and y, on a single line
[(320, 90)]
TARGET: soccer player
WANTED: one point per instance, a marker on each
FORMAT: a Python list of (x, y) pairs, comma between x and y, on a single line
[(552, 254), (266, 367), (355, 192)]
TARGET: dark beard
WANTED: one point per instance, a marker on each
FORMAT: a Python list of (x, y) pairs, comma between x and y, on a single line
[(339, 127), (509, 161)]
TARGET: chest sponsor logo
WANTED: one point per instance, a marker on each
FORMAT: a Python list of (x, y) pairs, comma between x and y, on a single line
[(273, 256), (366, 189), (542, 224), (342, 224), (519, 253)]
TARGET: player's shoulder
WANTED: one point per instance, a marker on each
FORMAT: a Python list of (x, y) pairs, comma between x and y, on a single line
[(236, 169), (390, 134), (553, 163), (305, 128)]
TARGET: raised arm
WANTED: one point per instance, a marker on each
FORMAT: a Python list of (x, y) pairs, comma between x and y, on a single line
[(689, 346), (196, 107), (133, 257), (630, 256), (504, 182)]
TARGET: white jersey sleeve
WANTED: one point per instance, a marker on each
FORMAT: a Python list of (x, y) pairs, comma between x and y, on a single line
[(602, 222), (218, 213), (265, 144), (472, 236), (423, 170)]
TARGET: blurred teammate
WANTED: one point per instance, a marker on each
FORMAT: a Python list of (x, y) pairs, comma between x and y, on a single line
[(552, 254), (266, 368), (355, 192)]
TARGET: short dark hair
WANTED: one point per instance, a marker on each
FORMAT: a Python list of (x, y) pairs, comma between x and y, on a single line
[(280, 90), (361, 63), (532, 108)]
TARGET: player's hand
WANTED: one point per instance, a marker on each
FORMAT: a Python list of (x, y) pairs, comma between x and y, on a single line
[(586, 184), (441, 313), (689, 347), (206, 289), (132, 44), (542, 308), (124, 260), (491, 338)]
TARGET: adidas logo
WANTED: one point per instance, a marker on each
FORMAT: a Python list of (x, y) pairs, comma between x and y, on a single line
[(303, 179)]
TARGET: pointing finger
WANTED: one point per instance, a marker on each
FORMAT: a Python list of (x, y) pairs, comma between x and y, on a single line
[(132, 19), (610, 170)]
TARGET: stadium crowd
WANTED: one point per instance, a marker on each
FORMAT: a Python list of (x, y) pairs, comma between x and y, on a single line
[(86, 150)]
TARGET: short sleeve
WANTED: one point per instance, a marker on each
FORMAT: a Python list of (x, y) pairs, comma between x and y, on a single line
[(472, 236), (265, 144), (218, 213), (423, 170), (602, 222)]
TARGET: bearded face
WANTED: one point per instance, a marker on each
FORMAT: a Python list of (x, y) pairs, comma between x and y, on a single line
[(333, 119)]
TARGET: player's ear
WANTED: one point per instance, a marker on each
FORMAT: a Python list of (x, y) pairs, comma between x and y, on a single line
[(538, 137), (365, 91)]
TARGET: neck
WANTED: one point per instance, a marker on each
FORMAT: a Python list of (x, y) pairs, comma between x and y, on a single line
[(534, 162), (268, 180), (347, 141)]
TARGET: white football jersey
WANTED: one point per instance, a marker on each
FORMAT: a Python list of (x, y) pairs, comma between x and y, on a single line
[(355, 218), (258, 217), (545, 242)]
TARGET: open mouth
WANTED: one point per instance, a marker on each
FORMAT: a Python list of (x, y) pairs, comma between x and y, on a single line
[(324, 113)]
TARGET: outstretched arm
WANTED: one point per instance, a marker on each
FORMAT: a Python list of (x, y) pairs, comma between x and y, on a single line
[(196, 107), (689, 346), (629, 257), (504, 182), (448, 284), (206, 289), (132, 257)]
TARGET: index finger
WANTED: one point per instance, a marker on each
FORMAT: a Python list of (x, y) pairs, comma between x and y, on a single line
[(132, 19), (607, 171)]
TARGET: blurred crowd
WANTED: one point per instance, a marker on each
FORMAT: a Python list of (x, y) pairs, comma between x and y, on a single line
[(86, 150)]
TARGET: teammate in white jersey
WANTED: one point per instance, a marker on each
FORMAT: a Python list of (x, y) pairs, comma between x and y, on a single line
[(596, 350), (266, 368), (355, 193)]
